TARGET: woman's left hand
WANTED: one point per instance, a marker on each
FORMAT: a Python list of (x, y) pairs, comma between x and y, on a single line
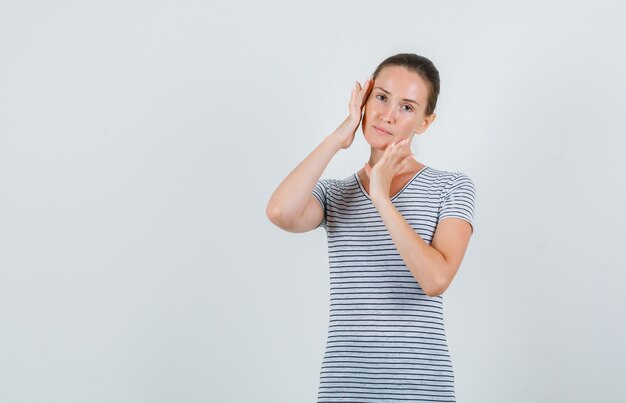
[(394, 159)]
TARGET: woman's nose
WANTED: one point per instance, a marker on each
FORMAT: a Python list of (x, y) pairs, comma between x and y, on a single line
[(388, 115)]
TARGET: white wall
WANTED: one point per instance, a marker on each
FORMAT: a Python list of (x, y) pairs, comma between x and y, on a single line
[(140, 142)]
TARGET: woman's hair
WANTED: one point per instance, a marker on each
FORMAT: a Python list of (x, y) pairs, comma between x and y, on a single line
[(420, 65)]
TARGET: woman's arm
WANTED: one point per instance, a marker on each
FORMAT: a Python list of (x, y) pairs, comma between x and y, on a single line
[(288, 205), (435, 265)]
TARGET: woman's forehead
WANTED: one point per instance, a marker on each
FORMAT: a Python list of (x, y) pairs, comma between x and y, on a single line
[(400, 82)]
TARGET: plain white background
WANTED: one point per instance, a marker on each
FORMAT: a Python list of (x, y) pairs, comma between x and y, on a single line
[(141, 140)]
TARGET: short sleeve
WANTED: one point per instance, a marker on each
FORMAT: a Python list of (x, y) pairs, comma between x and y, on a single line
[(320, 191), (458, 200)]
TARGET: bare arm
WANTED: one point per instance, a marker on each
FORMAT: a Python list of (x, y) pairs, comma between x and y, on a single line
[(435, 265), (292, 206)]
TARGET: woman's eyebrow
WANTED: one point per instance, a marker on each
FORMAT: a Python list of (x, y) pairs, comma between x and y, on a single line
[(405, 99)]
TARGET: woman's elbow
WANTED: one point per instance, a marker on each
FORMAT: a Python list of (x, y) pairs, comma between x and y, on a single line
[(277, 217), (272, 212), (282, 221), (436, 288)]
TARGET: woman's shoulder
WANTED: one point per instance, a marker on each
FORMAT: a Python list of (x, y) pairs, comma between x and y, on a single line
[(445, 175), (447, 181), (339, 183)]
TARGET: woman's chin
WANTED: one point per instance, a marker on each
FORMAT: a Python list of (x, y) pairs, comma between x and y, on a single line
[(378, 142)]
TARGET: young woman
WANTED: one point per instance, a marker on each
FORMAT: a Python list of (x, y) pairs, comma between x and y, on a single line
[(397, 233)]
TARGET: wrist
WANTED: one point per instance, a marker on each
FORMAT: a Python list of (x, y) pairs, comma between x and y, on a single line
[(350, 124), (379, 197), (378, 200), (332, 142)]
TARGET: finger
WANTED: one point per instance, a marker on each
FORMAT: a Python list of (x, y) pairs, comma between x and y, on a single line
[(369, 84), (400, 151), (363, 88), (367, 88), (352, 101), (386, 153), (365, 84), (403, 144), (402, 163), (396, 155), (355, 96), (407, 145), (397, 145), (355, 88), (396, 152)]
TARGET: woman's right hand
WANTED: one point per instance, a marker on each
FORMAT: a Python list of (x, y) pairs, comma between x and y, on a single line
[(344, 135)]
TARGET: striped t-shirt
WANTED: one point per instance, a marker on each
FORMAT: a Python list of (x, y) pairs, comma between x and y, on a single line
[(386, 337)]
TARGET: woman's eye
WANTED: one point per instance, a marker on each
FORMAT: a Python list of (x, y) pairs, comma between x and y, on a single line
[(380, 97), (408, 108)]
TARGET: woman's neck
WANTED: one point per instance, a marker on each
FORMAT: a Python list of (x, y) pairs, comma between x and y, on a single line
[(411, 168)]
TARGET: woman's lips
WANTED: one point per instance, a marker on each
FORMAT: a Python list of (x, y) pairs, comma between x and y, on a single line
[(381, 131)]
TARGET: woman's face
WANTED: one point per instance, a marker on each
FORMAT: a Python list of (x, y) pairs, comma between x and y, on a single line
[(395, 108)]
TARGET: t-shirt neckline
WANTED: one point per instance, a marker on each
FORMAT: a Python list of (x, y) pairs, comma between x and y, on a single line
[(358, 181)]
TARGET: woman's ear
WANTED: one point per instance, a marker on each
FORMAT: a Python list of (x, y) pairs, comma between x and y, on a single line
[(425, 123)]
